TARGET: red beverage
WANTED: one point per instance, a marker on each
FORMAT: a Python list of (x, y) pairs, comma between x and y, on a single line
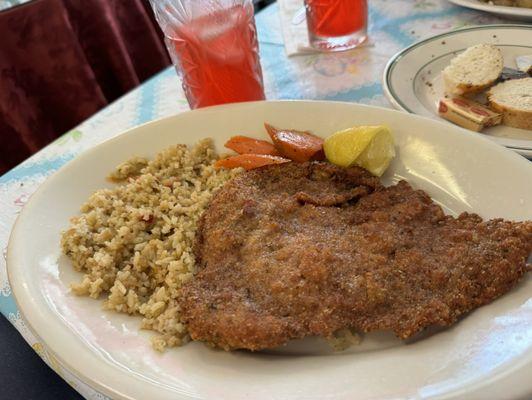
[(217, 57), (329, 20)]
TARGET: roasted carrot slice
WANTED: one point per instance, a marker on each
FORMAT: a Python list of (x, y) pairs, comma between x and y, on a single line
[(296, 145), (249, 161), (247, 145)]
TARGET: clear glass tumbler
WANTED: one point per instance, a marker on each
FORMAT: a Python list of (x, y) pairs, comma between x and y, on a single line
[(213, 44), (336, 25)]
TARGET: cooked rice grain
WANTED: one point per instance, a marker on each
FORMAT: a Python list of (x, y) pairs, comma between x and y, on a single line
[(134, 242)]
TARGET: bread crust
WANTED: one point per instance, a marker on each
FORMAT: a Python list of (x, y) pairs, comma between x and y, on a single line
[(512, 117), (511, 114), (457, 84)]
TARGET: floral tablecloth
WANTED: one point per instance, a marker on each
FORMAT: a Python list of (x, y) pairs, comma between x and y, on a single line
[(5, 4), (352, 76)]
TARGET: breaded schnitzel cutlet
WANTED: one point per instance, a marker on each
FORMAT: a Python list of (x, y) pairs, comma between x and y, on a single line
[(297, 250)]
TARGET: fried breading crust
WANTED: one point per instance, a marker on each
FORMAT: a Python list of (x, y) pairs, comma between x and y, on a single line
[(307, 249)]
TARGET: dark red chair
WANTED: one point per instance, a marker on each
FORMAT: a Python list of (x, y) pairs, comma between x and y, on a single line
[(63, 60)]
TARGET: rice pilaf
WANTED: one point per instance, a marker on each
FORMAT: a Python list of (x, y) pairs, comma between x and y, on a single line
[(134, 242)]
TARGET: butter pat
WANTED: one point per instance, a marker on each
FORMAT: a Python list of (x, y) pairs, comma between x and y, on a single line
[(468, 114)]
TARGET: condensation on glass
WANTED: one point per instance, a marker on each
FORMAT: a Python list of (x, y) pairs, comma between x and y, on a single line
[(335, 25), (213, 44)]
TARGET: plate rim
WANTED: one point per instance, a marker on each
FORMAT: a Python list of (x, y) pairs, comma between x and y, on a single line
[(495, 9), (99, 385), (395, 99)]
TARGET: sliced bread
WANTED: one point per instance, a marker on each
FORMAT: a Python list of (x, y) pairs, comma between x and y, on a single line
[(513, 99), (473, 70)]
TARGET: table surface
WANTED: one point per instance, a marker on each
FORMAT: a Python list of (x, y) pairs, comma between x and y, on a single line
[(5, 4), (351, 76)]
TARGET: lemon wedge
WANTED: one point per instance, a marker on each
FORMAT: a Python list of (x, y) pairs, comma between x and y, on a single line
[(370, 147)]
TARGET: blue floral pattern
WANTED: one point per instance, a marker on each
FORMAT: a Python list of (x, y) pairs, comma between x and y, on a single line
[(5, 4)]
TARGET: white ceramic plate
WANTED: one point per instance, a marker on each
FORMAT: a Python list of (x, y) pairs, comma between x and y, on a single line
[(412, 79), (487, 355), (519, 13)]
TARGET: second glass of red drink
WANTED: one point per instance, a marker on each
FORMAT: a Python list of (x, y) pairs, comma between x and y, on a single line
[(336, 25), (213, 44)]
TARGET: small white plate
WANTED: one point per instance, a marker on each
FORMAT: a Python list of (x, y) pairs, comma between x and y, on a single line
[(412, 79), (488, 354), (519, 13)]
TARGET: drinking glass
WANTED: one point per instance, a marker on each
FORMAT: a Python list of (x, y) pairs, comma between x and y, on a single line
[(213, 45), (336, 25)]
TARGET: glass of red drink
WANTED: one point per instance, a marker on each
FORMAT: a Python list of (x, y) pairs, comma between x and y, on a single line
[(213, 44), (336, 25)]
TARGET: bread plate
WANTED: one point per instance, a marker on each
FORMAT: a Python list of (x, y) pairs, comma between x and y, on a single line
[(412, 79), (486, 355), (518, 13)]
